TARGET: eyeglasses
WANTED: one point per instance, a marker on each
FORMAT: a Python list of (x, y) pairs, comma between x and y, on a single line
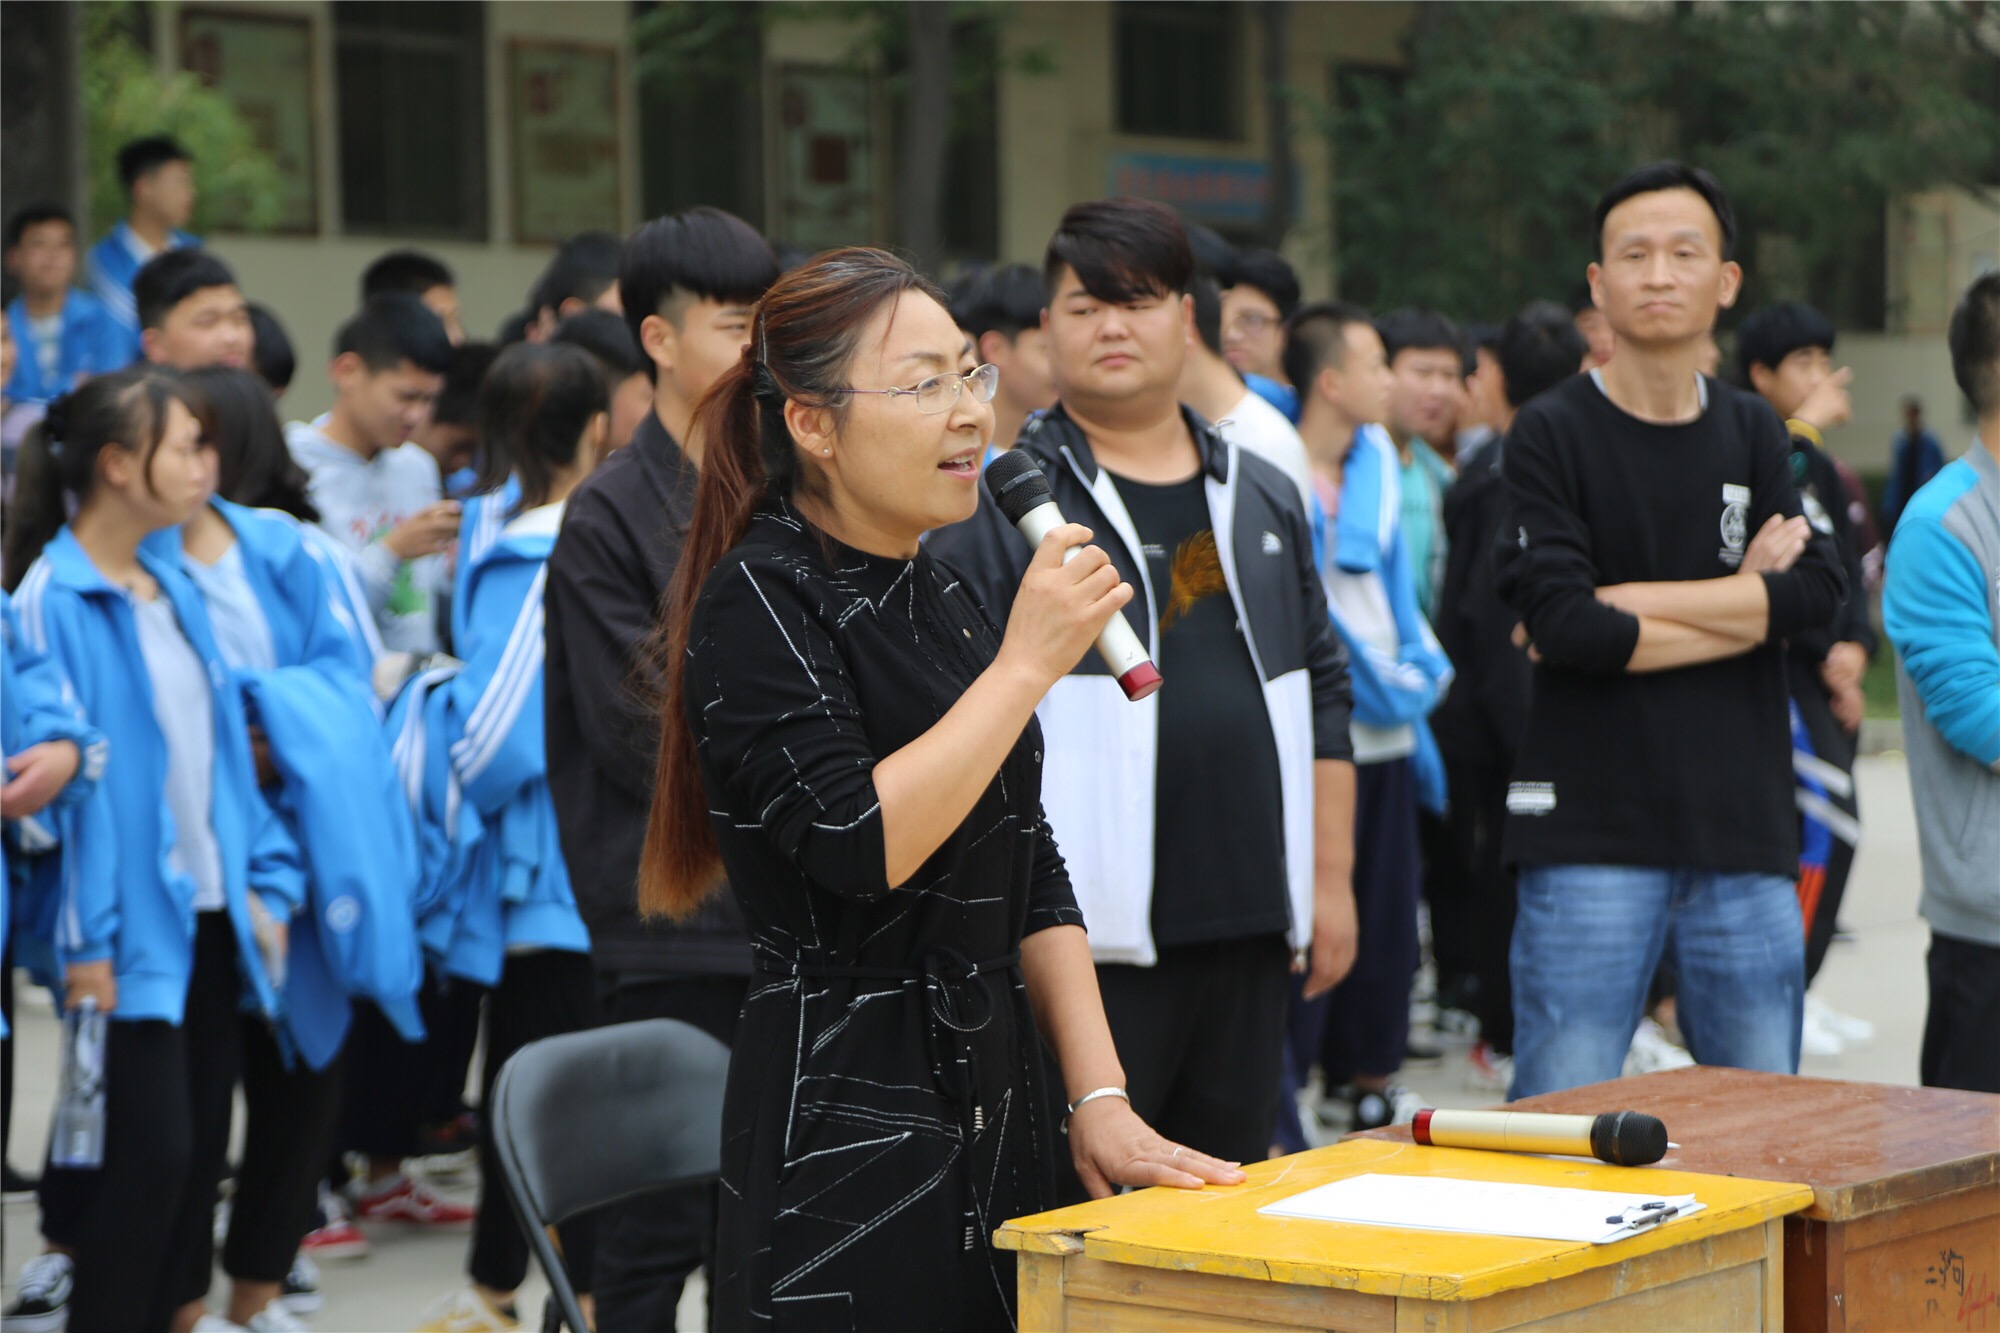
[(940, 393), (1251, 322)]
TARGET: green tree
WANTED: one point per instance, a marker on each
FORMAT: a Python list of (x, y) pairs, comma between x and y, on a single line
[(125, 98), (1466, 180)]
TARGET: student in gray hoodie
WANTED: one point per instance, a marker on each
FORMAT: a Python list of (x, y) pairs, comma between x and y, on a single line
[(1941, 606), (378, 495)]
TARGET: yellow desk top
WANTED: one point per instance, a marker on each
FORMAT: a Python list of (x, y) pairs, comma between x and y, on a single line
[(1218, 1229)]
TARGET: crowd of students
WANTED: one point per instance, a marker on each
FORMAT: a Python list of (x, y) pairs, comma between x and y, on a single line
[(1514, 684)]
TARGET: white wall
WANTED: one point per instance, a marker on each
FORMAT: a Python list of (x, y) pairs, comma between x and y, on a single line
[(1887, 367)]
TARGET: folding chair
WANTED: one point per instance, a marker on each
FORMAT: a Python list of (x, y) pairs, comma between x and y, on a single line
[(590, 1118)]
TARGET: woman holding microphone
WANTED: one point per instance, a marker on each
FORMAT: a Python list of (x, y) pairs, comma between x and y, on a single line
[(852, 743)]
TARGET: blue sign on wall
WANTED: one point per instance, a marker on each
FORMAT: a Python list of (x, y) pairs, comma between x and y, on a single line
[(1208, 189)]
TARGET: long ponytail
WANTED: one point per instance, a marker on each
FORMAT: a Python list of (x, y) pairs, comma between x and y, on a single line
[(803, 340), (58, 459)]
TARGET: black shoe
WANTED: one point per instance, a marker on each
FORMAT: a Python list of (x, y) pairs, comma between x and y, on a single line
[(1393, 1105), (15, 1186)]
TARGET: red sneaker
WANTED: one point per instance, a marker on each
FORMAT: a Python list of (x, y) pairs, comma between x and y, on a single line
[(403, 1199), (336, 1237)]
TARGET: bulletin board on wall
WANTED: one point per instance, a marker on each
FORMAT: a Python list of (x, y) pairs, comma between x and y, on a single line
[(566, 139), (263, 63), (826, 188)]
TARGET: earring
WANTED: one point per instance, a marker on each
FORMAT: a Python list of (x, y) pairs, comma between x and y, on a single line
[(827, 452)]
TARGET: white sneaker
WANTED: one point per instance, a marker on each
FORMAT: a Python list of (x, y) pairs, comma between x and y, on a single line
[(1851, 1030), (1816, 1038), (1651, 1051), (301, 1294), (275, 1318), (41, 1296), (215, 1323), (464, 1311)]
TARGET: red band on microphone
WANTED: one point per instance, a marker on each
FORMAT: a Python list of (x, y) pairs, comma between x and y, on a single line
[(1140, 681), (1420, 1128)]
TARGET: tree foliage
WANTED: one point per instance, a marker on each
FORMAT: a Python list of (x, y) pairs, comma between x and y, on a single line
[(125, 98), (1467, 180)]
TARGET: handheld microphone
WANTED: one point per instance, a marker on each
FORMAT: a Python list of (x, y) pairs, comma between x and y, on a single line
[(1018, 486), (1622, 1138)]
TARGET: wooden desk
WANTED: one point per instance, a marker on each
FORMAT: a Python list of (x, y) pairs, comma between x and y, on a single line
[(1170, 1260), (1904, 1228)]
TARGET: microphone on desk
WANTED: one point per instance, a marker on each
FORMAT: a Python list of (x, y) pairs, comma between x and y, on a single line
[(1622, 1138), (1018, 486)]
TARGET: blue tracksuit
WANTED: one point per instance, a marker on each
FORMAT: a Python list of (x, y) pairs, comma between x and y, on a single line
[(481, 748), (479, 527), (337, 796), (38, 706), (90, 343), (112, 264), (1366, 538), (120, 899)]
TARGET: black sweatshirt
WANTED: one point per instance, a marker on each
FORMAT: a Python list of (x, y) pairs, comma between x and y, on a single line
[(1684, 768), (613, 561)]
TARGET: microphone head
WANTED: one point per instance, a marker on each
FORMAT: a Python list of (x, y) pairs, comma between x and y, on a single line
[(1628, 1138), (1016, 483)]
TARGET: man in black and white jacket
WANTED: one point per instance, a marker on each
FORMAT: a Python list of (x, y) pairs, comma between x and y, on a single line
[(1208, 829)]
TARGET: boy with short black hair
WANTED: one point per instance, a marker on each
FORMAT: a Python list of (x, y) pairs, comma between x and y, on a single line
[(449, 435), (1215, 389), (1941, 607), (62, 334), (1260, 292), (1427, 367), (1784, 354), (1478, 726), (377, 493), (271, 351), (191, 313), (627, 376), (1222, 869), (1660, 561), (1001, 311), (1335, 358), (158, 175), (686, 285), (422, 275), (584, 273)]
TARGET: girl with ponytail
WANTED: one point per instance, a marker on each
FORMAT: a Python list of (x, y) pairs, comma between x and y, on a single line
[(852, 744), (176, 907)]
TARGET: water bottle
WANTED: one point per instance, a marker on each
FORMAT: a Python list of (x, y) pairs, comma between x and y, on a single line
[(77, 1138)]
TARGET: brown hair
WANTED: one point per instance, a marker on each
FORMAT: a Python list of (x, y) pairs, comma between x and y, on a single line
[(803, 339)]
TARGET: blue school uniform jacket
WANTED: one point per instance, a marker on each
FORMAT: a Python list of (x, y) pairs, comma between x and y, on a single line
[(121, 901), (337, 797), (38, 706), (479, 527), (503, 886), (91, 343), (112, 264), (1366, 537)]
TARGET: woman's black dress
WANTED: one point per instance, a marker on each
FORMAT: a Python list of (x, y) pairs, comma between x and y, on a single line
[(885, 1031)]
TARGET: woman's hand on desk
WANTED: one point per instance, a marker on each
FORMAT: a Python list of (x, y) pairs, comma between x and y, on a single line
[(1112, 1146), (1061, 607)]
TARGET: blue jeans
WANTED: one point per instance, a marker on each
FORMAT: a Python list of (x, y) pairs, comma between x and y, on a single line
[(1587, 941)]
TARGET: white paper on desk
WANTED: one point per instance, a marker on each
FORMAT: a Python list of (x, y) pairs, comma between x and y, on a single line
[(1481, 1207)]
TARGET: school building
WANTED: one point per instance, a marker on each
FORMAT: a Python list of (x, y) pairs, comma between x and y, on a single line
[(485, 131)]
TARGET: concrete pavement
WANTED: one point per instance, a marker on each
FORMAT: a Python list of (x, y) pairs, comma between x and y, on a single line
[(1879, 976)]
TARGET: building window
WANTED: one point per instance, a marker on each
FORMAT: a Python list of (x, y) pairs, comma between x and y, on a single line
[(411, 81), (1180, 69), (701, 111)]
